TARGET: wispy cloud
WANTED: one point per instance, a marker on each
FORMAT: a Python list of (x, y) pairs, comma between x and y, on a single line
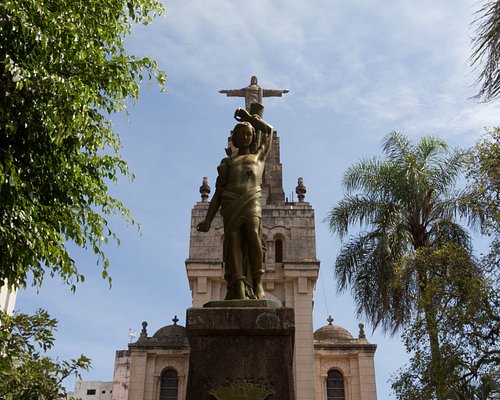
[(393, 61)]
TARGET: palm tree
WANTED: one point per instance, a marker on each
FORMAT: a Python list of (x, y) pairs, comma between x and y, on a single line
[(402, 203)]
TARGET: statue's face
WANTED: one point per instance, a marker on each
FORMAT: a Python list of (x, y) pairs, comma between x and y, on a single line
[(243, 136), (253, 80)]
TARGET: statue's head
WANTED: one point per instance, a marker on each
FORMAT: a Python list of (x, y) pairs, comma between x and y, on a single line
[(243, 134), (253, 80)]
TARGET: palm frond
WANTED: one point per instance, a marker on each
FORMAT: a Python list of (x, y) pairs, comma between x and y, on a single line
[(429, 148), (351, 257), (446, 172), (364, 176), (487, 50), (367, 266), (397, 147), (350, 211), (460, 205), (446, 231)]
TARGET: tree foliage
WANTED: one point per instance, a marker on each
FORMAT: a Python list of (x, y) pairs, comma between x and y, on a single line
[(486, 55), (466, 302), (403, 204), (26, 372), (64, 71), (464, 295), (484, 180)]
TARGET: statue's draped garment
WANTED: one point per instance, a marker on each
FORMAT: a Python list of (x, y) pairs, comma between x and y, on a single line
[(235, 209)]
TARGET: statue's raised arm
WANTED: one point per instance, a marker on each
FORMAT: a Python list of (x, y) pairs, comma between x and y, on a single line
[(259, 125)]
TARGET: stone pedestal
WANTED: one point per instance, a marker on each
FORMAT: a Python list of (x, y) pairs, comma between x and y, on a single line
[(240, 353)]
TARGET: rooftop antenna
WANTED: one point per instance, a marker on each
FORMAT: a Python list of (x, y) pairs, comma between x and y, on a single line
[(321, 278)]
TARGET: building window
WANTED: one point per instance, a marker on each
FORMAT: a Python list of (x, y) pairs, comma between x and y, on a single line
[(169, 385), (90, 392), (335, 386), (278, 250)]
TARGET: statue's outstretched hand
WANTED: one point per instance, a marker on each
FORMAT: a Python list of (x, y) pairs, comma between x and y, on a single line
[(203, 226)]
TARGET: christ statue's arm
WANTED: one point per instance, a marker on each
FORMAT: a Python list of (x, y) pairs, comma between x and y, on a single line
[(233, 92), (273, 92)]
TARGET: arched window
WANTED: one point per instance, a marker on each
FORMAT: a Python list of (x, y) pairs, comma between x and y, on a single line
[(335, 385), (169, 385), (278, 250)]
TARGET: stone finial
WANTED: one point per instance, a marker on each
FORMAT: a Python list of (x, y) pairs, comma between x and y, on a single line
[(300, 190), (144, 332), (330, 320), (361, 331), (175, 319), (204, 189)]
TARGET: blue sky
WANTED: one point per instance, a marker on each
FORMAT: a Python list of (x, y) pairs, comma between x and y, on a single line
[(356, 70)]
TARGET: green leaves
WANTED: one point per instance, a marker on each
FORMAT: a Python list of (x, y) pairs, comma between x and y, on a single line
[(467, 325), (26, 372), (484, 182), (63, 72)]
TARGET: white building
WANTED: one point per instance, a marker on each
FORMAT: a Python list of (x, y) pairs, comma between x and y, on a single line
[(7, 299), (93, 390)]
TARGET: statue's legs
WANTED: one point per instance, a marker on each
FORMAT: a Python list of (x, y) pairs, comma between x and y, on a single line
[(255, 254), (246, 236), (236, 255)]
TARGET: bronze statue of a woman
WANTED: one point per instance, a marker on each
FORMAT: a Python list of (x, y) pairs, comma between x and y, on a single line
[(238, 195)]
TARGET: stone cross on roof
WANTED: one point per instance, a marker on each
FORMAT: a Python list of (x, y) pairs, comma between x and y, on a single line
[(253, 93)]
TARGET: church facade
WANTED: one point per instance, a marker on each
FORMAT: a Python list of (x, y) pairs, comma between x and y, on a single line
[(329, 364)]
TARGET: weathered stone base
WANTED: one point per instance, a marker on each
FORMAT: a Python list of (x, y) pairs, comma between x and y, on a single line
[(243, 303), (240, 353)]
